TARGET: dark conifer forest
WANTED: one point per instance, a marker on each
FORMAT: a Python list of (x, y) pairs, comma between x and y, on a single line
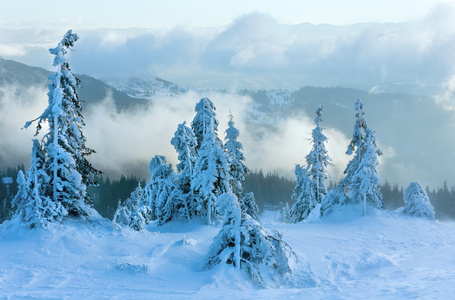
[(271, 190)]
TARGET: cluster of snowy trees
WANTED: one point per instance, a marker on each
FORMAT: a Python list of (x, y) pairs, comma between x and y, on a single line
[(360, 185), (208, 182), (207, 168)]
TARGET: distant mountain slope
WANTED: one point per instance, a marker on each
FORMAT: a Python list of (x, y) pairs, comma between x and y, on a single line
[(92, 90), (146, 87), (414, 132)]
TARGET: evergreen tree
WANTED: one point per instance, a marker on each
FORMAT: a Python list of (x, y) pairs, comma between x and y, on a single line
[(243, 243), (318, 159), (184, 142), (334, 198), (239, 170), (132, 213), (417, 202), (310, 186), (304, 195), (64, 145), (361, 183), (211, 174), (365, 183), (249, 205), (32, 206), (161, 193), (356, 146), (205, 117)]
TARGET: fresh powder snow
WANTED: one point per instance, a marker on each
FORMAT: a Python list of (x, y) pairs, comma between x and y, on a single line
[(385, 255)]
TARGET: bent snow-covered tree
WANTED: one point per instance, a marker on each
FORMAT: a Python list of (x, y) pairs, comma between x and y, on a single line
[(417, 202), (310, 188), (245, 244), (65, 163), (239, 170)]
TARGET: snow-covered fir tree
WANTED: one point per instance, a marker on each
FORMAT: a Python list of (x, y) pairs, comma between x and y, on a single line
[(249, 205), (32, 206), (318, 159), (133, 213), (239, 170), (245, 244), (304, 195), (184, 142), (64, 146), (356, 146), (334, 197), (417, 202), (354, 187), (205, 117), (211, 174), (161, 194), (310, 188), (365, 183)]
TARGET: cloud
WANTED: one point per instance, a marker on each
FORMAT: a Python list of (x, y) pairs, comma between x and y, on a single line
[(17, 106), (255, 51), (126, 141), (11, 50), (281, 149)]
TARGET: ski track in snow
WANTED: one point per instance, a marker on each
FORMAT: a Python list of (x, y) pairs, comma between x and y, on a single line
[(384, 255)]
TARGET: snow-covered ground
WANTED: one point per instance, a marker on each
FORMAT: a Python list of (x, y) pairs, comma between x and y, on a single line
[(384, 255)]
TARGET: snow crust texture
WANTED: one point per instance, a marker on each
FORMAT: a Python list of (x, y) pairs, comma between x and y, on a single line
[(385, 255)]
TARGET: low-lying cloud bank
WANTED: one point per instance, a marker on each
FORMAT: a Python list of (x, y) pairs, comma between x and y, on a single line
[(126, 141)]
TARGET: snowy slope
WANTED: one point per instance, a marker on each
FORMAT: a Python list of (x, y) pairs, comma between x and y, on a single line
[(384, 255), (146, 87)]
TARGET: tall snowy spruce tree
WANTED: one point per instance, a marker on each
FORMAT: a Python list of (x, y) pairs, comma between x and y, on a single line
[(239, 170), (245, 244), (65, 164), (361, 183), (211, 174), (310, 188)]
